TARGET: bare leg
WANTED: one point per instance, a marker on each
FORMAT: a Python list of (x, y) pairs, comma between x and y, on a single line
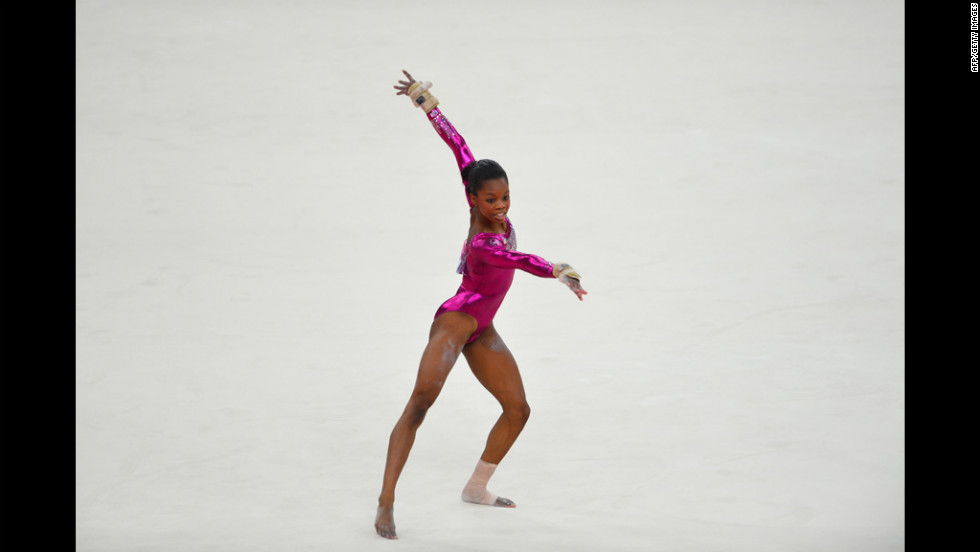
[(447, 337), (495, 368)]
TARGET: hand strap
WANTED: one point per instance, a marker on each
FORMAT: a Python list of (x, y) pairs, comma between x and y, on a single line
[(421, 97), (566, 270)]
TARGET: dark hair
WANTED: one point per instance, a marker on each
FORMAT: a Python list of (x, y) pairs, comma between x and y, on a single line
[(479, 171)]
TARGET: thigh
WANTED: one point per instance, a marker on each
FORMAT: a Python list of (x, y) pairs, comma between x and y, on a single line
[(495, 368), (447, 336)]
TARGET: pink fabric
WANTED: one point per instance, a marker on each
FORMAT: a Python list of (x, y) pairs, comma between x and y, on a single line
[(489, 273), (488, 261), (453, 139)]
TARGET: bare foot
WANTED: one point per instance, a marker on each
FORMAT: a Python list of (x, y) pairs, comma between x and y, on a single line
[(384, 523)]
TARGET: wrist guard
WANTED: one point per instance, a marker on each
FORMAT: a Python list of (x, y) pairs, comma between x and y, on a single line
[(421, 97), (562, 271)]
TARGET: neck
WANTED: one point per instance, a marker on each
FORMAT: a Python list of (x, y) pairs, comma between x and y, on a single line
[(480, 224)]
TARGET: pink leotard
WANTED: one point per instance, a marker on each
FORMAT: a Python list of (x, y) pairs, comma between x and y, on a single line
[(487, 261)]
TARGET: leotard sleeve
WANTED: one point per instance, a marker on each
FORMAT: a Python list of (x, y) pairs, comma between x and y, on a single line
[(492, 251), (454, 140)]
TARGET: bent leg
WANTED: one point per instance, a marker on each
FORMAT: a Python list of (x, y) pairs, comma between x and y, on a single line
[(448, 335), (495, 368)]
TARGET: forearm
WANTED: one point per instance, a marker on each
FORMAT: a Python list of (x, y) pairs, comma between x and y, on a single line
[(451, 137), (502, 258)]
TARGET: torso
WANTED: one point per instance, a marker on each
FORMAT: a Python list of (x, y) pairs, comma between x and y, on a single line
[(483, 287)]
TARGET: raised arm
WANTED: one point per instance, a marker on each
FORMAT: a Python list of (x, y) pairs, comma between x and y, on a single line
[(421, 97), (451, 137)]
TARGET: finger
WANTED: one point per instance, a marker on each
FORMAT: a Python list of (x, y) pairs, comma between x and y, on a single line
[(409, 75)]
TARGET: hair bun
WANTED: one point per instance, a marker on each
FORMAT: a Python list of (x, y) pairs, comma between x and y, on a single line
[(479, 171)]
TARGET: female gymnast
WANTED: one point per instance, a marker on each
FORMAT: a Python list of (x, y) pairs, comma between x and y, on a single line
[(464, 323)]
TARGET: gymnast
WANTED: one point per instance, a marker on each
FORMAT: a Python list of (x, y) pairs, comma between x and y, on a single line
[(464, 323)]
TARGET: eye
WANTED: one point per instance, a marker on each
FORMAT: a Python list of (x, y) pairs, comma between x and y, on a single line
[(491, 200)]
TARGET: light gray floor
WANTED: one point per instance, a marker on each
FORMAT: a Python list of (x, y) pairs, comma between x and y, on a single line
[(264, 231)]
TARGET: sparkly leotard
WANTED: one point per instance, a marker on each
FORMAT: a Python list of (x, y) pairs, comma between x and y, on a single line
[(488, 260)]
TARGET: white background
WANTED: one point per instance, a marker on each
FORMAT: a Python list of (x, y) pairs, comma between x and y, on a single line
[(264, 232)]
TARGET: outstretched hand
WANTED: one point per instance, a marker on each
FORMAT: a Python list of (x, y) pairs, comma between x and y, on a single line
[(568, 276), (574, 285), (403, 86)]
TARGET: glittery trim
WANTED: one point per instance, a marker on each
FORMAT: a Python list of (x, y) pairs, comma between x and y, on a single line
[(454, 140), (511, 245)]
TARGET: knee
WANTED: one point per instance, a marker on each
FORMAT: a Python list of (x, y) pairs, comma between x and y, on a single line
[(519, 413), (418, 407)]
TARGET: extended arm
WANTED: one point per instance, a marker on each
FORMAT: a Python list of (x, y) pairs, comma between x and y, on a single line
[(451, 137), (419, 93), (491, 251)]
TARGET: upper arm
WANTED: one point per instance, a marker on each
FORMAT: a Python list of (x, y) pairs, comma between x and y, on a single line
[(491, 251)]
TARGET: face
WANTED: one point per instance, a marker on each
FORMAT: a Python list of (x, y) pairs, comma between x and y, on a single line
[(493, 200)]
